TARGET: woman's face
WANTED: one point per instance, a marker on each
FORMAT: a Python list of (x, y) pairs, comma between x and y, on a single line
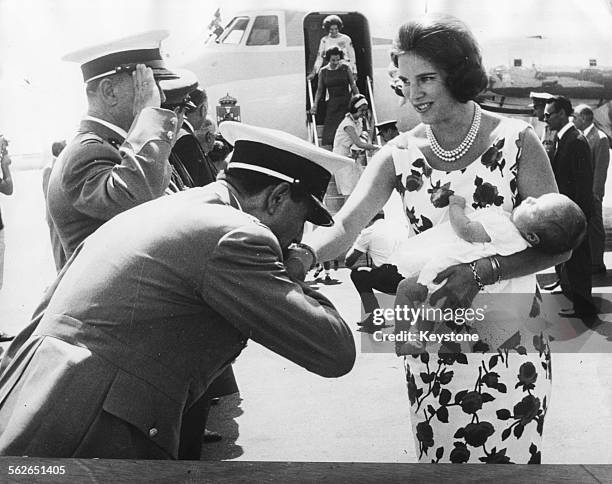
[(334, 30), (334, 61), (424, 87)]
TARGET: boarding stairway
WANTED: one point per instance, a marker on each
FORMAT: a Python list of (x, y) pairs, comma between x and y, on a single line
[(333, 199)]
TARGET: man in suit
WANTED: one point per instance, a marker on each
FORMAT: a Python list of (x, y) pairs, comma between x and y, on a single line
[(574, 175), (600, 157), (163, 297), (119, 157)]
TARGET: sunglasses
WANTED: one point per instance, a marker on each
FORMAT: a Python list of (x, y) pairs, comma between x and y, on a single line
[(548, 115)]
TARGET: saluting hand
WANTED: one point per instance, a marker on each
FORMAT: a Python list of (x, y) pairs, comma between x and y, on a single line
[(146, 90)]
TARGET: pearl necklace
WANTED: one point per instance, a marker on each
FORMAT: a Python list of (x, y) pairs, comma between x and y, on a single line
[(451, 156)]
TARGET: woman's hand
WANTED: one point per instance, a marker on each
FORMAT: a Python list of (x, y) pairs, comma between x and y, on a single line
[(459, 290), (312, 111), (298, 261)]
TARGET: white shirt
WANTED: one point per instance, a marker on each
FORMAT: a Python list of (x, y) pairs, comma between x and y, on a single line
[(379, 241), (588, 129)]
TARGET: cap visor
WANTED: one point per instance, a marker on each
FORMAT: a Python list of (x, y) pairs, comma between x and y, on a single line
[(161, 73), (319, 215)]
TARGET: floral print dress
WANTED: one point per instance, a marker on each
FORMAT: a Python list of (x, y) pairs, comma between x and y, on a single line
[(484, 401)]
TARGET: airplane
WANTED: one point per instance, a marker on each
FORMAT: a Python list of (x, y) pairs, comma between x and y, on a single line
[(255, 68)]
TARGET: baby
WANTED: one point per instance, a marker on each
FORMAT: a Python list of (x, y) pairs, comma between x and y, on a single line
[(552, 222)]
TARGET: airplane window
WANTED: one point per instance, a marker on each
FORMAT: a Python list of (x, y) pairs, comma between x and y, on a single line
[(235, 31), (264, 31)]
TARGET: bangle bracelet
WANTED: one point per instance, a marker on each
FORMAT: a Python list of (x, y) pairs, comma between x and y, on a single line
[(476, 276), (496, 266), (310, 250)]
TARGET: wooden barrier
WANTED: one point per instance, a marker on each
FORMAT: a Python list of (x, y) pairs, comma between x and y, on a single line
[(99, 470)]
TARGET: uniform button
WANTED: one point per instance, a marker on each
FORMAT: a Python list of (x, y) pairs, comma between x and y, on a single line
[(170, 134), (153, 432), (173, 121)]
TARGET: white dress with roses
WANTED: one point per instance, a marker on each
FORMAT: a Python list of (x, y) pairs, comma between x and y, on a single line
[(485, 401)]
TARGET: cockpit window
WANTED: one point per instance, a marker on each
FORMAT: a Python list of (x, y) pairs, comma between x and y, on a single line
[(235, 31), (264, 31)]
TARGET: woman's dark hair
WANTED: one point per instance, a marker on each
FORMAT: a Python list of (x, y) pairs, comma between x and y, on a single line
[(332, 20), (354, 100), (447, 43), (333, 51)]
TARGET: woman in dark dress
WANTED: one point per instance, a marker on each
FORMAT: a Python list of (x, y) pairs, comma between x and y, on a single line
[(336, 78)]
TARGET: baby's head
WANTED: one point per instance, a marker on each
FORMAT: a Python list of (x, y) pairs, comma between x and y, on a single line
[(551, 222)]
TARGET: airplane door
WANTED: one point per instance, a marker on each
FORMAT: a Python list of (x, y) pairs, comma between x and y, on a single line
[(356, 27)]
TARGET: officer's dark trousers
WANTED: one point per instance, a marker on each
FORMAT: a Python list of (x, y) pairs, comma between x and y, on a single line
[(384, 278)]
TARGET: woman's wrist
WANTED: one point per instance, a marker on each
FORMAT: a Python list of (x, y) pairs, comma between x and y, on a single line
[(485, 271)]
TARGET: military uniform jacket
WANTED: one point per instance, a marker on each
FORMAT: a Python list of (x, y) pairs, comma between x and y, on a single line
[(154, 305), (102, 173)]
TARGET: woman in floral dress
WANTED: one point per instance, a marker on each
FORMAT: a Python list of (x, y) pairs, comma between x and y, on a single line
[(484, 401)]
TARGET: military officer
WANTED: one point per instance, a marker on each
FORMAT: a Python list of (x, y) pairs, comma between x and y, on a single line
[(190, 165), (119, 157), (387, 130), (160, 299)]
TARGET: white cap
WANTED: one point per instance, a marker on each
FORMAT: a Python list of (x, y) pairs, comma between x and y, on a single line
[(122, 55), (286, 157)]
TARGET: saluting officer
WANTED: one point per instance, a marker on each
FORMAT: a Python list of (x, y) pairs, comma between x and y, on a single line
[(119, 157)]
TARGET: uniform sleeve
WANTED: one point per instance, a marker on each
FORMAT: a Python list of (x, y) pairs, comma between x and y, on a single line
[(246, 283), (105, 188)]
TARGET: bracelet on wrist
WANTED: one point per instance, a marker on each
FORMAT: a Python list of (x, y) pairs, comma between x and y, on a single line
[(311, 251), (476, 276), (496, 267)]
